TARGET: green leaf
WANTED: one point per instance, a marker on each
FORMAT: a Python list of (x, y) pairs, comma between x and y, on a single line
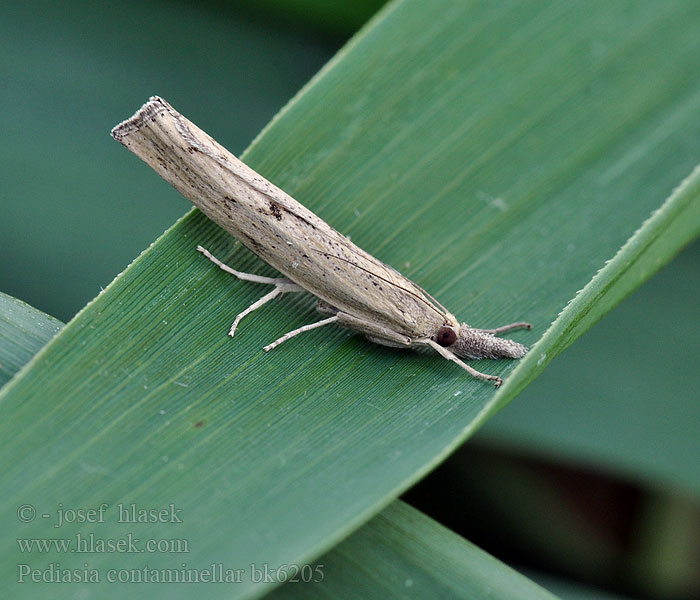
[(23, 331), (401, 553), (675, 224), (497, 154), (639, 360)]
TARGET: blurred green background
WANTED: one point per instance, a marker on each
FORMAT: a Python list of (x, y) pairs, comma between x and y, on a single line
[(72, 220)]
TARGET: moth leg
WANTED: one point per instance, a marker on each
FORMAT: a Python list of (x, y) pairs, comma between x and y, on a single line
[(294, 332), (290, 286), (509, 327), (264, 300), (445, 353), (282, 284), (374, 332)]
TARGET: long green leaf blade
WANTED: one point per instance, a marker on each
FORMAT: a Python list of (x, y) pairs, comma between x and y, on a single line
[(401, 553), (655, 381), (672, 226)]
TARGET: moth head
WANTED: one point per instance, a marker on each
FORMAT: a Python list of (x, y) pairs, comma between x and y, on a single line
[(446, 336), (467, 342)]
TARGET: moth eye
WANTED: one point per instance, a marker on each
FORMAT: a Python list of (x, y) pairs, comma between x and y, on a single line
[(446, 336)]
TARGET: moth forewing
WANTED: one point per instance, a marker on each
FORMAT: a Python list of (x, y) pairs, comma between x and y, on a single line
[(360, 291), (280, 230)]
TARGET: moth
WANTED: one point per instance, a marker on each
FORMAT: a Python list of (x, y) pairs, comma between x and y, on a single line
[(354, 289)]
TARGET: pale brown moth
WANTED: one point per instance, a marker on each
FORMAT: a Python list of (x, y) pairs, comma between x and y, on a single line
[(354, 288)]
